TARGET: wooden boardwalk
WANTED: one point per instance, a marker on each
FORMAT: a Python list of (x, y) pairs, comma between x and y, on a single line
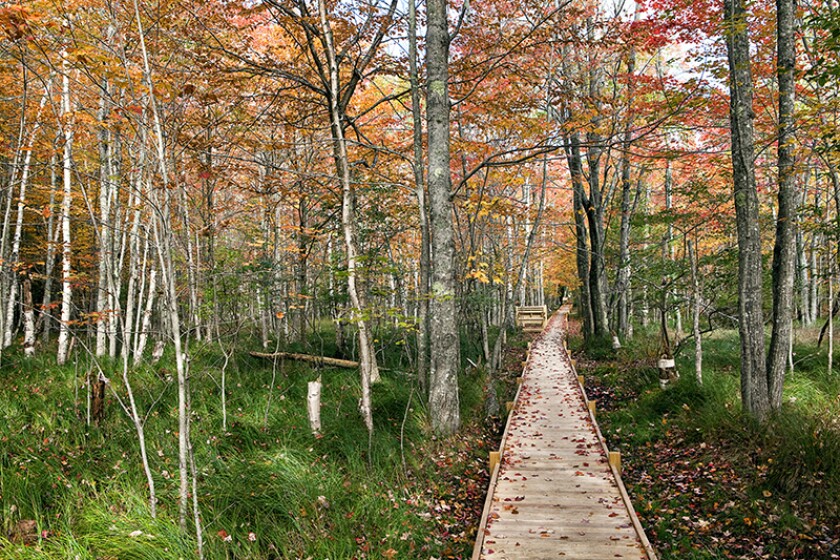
[(554, 493)]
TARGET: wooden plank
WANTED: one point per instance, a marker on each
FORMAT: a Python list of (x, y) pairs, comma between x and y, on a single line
[(556, 492)]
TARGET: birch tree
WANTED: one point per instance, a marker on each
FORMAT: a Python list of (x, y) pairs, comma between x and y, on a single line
[(67, 122)]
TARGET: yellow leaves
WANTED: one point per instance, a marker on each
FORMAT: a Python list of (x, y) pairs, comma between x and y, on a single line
[(480, 271), (479, 275)]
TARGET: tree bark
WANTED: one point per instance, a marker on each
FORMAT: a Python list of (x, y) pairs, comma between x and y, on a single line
[(623, 280), (784, 251), (696, 305), (46, 318), (803, 278), (14, 257), (67, 200), (369, 368), (28, 319), (162, 229), (103, 318), (754, 388), (444, 403), (581, 238), (420, 193)]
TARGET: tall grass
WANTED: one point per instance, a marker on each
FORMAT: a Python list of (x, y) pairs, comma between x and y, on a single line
[(796, 452), (267, 487)]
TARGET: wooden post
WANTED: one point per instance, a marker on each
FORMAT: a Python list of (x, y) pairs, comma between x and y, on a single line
[(574, 363), (580, 379), (519, 380), (615, 460), (591, 407), (509, 406), (495, 456)]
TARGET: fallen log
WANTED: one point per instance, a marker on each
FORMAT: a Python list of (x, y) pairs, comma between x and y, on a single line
[(319, 360)]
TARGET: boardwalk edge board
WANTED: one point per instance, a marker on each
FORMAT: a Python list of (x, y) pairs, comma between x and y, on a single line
[(614, 457)]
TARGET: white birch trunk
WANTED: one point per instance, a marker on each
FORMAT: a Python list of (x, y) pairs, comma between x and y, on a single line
[(137, 420), (192, 274), (49, 265), (369, 369), (14, 258), (695, 296), (144, 318), (313, 402), (28, 320), (118, 247), (104, 237), (6, 276), (66, 247), (163, 242), (131, 295), (263, 312)]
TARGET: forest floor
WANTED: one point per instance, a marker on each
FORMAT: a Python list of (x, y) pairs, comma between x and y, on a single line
[(268, 488), (708, 482)]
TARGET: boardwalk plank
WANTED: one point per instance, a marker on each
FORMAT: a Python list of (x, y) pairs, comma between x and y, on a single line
[(555, 494)]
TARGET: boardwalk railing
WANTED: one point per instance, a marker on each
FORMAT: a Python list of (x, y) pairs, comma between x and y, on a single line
[(555, 488)]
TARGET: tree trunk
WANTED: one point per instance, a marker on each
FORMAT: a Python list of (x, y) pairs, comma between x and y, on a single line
[(696, 304), (118, 246), (803, 278), (532, 233), (66, 248), (830, 320), (104, 317), (597, 268), (444, 400), (623, 281), (420, 192), (313, 405), (581, 238), (369, 368), (28, 319), (668, 245), (163, 242), (133, 296), (192, 254), (146, 320), (7, 276), (784, 251), (49, 264), (14, 257), (754, 389)]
